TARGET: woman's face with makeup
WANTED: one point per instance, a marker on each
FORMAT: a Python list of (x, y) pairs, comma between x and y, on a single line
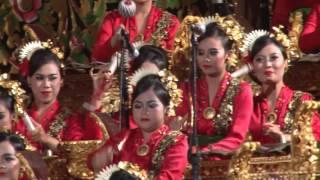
[(9, 163)]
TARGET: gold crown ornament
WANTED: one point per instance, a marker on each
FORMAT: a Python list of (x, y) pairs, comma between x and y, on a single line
[(228, 24), (291, 48), (169, 81)]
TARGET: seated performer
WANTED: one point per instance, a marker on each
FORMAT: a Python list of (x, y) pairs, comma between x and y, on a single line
[(309, 38), (53, 122), (151, 146), (224, 103), (150, 57), (149, 24), (275, 106), (13, 165), (11, 101)]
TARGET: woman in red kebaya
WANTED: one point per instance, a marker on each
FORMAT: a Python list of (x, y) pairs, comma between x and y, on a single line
[(13, 165), (149, 24), (53, 122), (150, 57), (309, 39), (10, 146), (224, 103), (151, 146), (275, 107)]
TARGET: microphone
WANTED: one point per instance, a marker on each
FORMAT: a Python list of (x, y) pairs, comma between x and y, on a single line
[(242, 71), (198, 28), (132, 50), (127, 8)]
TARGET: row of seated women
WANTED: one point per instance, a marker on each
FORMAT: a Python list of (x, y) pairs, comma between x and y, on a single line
[(226, 108)]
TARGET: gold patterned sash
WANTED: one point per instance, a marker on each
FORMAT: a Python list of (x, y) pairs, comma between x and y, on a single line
[(58, 123), (161, 31), (157, 157), (223, 119)]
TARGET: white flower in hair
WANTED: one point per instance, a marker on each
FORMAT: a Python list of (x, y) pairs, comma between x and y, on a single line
[(140, 73), (139, 44), (251, 37), (204, 21), (106, 173), (115, 58), (27, 50)]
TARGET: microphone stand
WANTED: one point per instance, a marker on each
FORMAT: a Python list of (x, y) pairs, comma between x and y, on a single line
[(194, 154), (124, 109)]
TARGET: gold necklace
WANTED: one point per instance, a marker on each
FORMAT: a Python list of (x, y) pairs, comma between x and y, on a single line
[(209, 113), (272, 117), (143, 150)]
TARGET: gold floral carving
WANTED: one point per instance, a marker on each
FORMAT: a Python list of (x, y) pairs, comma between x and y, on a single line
[(293, 107), (239, 165), (111, 98), (76, 152), (304, 146)]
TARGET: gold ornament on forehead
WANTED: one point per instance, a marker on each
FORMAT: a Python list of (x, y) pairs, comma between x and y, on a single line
[(209, 113), (272, 117), (14, 89), (143, 150)]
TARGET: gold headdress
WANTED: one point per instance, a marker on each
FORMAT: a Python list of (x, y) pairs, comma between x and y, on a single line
[(291, 48), (28, 49), (168, 80), (15, 91), (228, 24), (250, 38), (131, 168)]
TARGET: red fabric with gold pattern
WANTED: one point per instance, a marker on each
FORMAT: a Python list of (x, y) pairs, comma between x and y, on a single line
[(102, 50), (242, 109), (73, 130), (175, 157), (261, 109)]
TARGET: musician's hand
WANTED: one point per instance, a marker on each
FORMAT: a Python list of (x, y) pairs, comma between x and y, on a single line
[(38, 134), (102, 158), (207, 151), (117, 36), (272, 130), (102, 80), (179, 123)]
